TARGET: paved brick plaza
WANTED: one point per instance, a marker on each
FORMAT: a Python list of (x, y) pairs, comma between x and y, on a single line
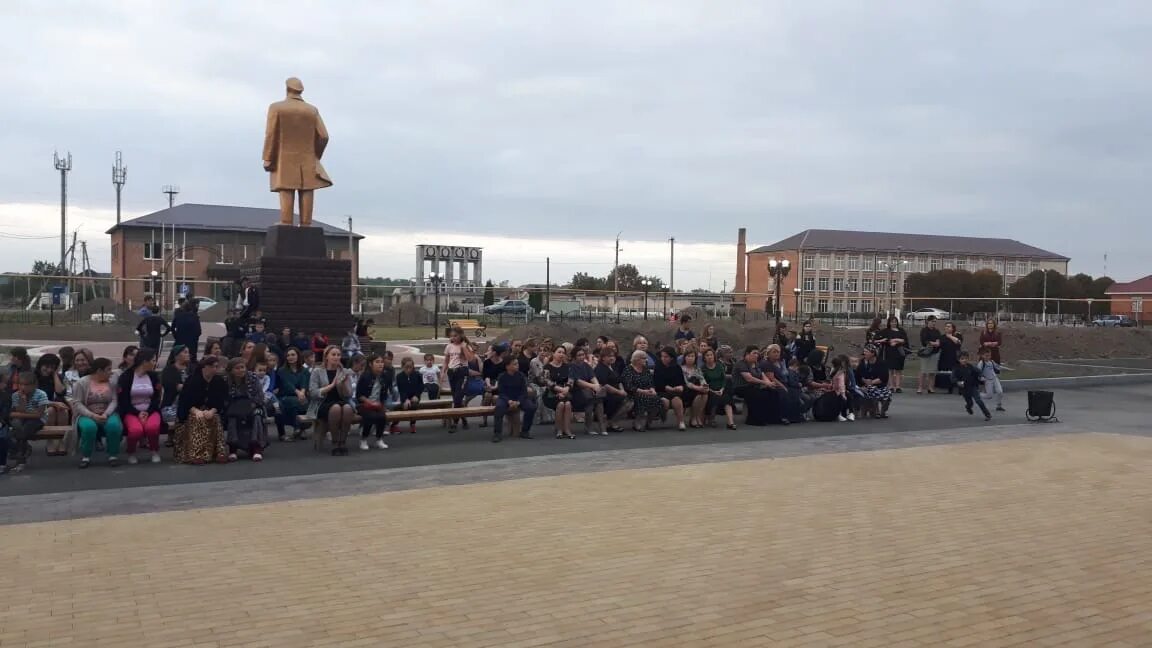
[(1031, 542)]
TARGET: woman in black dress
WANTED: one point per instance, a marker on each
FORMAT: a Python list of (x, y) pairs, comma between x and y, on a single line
[(950, 344), (759, 390), (558, 392), (670, 383), (616, 403), (893, 343)]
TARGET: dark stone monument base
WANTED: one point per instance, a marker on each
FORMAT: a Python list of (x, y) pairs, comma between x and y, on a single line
[(300, 287), (292, 241)]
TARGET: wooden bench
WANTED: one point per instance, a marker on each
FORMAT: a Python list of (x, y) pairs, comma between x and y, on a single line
[(434, 414), (478, 329), (368, 346), (52, 432)]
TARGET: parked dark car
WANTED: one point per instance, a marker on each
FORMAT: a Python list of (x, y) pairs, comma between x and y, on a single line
[(1113, 320)]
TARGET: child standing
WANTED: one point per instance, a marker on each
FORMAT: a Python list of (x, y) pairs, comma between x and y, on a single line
[(967, 377), (840, 372), (430, 372), (29, 410), (990, 372)]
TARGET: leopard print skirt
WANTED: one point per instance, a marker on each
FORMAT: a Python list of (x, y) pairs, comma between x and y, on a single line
[(200, 441)]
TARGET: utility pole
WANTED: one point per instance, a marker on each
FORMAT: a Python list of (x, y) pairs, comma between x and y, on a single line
[(171, 190), (119, 178), (616, 277), (548, 288), (352, 262), (63, 165), (671, 264)]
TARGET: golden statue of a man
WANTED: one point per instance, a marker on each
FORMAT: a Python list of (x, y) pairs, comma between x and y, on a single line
[(294, 142)]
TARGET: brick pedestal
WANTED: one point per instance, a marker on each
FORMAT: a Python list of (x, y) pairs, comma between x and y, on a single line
[(300, 287)]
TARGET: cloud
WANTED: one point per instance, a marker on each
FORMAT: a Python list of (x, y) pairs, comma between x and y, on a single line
[(568, 121)]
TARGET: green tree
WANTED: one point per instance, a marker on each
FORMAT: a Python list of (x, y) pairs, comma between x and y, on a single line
[(536, 300), (585, 281), (973, 287), (1028, 291), (45, 269), (489, 293), (385, 281)]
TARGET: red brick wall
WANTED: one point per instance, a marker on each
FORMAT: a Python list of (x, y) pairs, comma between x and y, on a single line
[(759, 281), (1123, 305)]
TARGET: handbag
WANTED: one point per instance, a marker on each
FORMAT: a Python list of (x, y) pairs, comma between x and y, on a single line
[(168, 414), (927, 352), (241, 409), (474, 386)]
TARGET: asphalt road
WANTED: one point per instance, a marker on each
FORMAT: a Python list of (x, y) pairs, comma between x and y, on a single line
[(1111, 408)]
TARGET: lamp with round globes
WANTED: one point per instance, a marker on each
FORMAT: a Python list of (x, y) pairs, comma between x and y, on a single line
[(778, 270)]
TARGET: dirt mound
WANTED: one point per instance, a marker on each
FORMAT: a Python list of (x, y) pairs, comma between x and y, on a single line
[(1021, 341), (403, 314)]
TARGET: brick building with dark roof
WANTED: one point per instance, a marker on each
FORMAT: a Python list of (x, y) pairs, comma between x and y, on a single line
[(842, 271), (1133, 299), (200, 246)]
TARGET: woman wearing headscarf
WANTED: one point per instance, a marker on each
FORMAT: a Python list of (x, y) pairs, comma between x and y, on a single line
[(991, 339), (641, 387), (244, 413), (872, 378), (805, 341), (172, 379), (892, 344), (950, 346), (199, 407)]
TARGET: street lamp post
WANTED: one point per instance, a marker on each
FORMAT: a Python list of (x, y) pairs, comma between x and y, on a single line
[(436, 280), (778, 270), (1044, 307), (159, 294), (647, 283), (892, 267), (797, 292)]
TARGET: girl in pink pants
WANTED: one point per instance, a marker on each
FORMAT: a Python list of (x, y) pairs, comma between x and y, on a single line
[(138, 395)]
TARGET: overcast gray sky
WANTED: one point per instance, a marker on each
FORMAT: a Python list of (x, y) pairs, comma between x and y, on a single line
[(564, 121)]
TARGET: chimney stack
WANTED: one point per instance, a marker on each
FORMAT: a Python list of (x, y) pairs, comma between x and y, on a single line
[(741, 264)]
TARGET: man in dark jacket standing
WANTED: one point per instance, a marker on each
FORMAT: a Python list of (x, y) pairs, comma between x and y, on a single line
[(152, 330), (249, 298), (186, 326)]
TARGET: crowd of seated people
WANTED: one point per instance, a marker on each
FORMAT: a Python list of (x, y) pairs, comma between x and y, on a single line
[(222, 406)]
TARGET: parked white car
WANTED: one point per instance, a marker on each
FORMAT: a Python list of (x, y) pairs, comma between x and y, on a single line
[(921, 315)]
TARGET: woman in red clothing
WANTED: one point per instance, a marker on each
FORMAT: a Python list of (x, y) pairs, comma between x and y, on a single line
[(990, 339), (319, 343)]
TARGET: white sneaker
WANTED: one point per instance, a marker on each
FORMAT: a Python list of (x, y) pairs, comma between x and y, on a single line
[(381, 445), (851, 416), (363, 444), (841, 419), (132, 460), (682, 426), (155, 457)]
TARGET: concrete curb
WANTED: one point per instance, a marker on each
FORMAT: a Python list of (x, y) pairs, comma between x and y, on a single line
[(1024, 384)]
